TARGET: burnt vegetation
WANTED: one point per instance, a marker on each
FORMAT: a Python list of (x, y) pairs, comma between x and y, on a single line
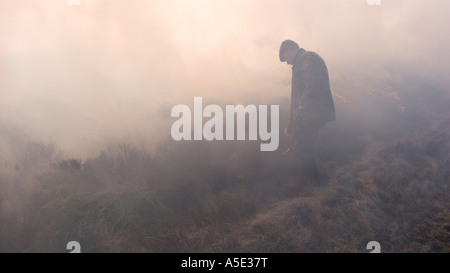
[(387, 180)]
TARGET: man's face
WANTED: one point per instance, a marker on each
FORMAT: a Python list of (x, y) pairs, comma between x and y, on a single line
[(289, 55)]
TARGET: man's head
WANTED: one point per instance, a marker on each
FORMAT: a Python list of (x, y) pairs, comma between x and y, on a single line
[(288, 50)]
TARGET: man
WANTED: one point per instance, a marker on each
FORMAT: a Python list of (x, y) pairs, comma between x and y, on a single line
[(311, 105)]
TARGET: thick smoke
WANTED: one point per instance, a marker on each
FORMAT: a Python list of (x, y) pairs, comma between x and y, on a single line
[(83, 76), (76, 80)]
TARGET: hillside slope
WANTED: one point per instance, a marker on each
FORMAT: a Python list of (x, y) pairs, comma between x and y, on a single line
[(397, 194), (222, 197)]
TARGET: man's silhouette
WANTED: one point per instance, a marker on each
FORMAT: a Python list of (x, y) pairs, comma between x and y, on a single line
[(311, 105)]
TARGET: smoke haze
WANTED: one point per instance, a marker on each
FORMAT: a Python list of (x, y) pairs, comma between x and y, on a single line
[(81, 76), (76, 80)]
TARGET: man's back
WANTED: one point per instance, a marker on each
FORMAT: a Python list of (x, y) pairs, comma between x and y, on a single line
[(311, 99)]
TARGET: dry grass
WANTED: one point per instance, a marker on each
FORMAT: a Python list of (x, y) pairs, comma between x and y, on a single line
[(204, 197)]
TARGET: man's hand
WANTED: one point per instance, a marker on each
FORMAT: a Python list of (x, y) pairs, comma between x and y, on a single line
[(287, 131)]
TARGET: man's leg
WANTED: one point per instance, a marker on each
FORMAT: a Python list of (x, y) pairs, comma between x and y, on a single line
[(305, 155)]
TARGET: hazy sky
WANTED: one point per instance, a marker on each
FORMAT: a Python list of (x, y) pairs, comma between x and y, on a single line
[(112, 69)]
